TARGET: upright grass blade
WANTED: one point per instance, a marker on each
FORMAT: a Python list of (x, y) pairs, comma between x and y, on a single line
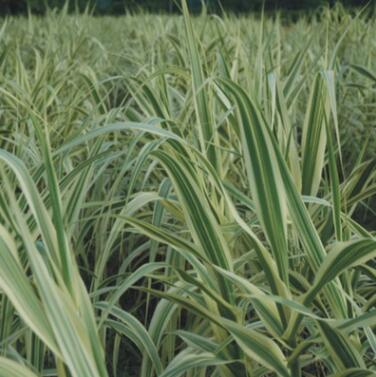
[(263, 178), (286, 133), (206, 129), (63, 248), (314, 139), (333, 171)]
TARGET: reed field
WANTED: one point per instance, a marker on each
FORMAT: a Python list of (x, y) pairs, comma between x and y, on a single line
[(188, 195)]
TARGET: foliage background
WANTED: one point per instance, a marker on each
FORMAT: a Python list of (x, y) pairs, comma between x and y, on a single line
[(119, 6)]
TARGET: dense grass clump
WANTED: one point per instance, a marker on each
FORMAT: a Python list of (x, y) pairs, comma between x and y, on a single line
[(187, 196)]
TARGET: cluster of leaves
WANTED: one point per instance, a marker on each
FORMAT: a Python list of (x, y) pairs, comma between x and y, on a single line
[(178, 196)]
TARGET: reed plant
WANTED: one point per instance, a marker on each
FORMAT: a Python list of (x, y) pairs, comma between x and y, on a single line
[(187, 196)]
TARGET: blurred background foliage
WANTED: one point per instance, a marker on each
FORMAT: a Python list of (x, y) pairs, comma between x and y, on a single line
[(121, 6)]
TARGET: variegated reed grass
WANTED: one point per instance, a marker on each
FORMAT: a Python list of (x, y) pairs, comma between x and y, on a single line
[(179, 196)]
